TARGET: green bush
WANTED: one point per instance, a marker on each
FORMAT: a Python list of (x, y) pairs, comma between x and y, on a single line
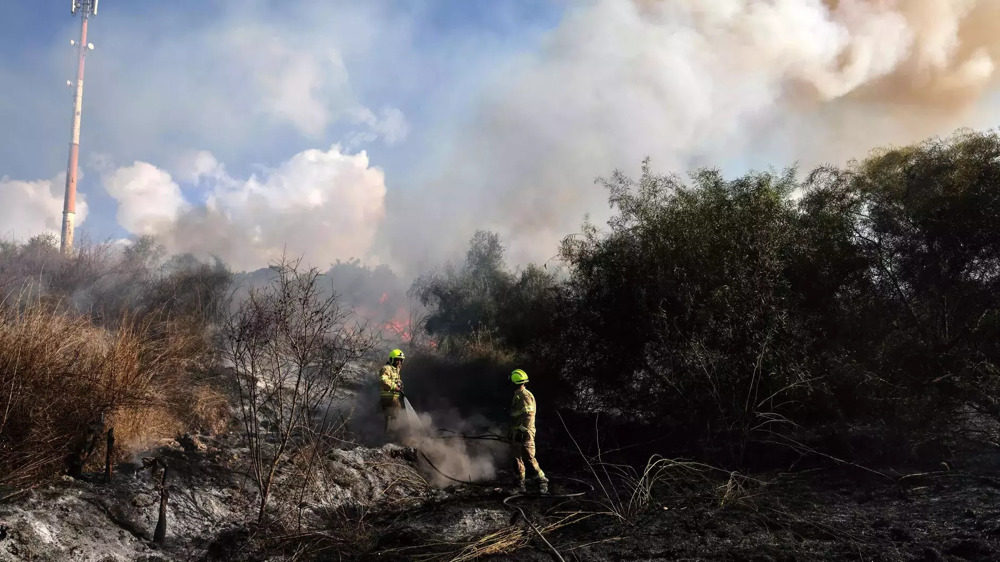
[(483, 308), (761, 304)]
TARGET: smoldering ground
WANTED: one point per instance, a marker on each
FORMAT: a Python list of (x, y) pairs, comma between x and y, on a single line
[(437, 424)]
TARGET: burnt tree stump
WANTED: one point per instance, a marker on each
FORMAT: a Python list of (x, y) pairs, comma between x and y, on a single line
[(108, 465), (160, 534)]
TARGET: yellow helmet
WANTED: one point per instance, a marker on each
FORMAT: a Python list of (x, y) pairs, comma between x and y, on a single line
[(518, 377), (396, 354)]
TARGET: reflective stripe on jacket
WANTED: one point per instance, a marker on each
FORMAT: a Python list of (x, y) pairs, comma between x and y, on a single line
[(522, 411), (390, 383)]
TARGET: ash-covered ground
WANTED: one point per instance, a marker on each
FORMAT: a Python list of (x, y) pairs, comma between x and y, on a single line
[(385, 501), (374, 503)]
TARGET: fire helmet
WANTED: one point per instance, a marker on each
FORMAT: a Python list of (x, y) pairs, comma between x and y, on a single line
[(518, 377), (396, 354)]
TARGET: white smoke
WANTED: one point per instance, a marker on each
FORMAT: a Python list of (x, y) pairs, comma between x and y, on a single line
[(305, 85), (391, 126), (729, 83), (693, 82), (30, 208), (451, 457), (318, 205)]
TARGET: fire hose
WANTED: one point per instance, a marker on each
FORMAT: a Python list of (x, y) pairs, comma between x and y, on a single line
[(508, 499)]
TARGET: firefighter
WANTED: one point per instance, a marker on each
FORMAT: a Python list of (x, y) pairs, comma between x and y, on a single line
[(391, 391), (522, 432)]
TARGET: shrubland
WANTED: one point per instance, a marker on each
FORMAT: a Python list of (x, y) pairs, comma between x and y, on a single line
[(108, 337), (767, 308)]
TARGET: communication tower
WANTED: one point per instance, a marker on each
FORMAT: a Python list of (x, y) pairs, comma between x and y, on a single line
[(85, 8)]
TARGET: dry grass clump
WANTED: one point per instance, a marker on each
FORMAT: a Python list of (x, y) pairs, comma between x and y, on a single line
[(60, 374), (503, 541), (207, 408)]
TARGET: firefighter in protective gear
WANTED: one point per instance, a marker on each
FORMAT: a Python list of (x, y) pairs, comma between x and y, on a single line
[(522, 432), (391, 387)]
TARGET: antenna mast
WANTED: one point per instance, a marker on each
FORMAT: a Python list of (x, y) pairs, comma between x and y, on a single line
[(85, 8)]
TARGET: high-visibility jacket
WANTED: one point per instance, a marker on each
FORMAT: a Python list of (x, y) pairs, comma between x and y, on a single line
[(522, 412), (391, 384)]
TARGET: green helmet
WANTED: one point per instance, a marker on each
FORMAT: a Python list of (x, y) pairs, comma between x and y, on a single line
[(396, 354), (519, 377)]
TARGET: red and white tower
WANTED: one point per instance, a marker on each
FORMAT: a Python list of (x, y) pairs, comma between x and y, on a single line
[(85, 8)]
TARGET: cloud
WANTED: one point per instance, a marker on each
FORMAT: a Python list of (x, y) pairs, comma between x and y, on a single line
[(148, 199), (511, 132), (321, 205), (30, 208)]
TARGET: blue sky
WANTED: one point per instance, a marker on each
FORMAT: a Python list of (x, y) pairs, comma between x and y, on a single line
[(430, 51), (390, 130)]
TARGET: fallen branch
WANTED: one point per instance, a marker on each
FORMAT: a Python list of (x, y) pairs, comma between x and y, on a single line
[(533, 528)]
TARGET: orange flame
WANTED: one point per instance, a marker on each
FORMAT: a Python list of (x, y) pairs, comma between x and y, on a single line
[(400, 325)]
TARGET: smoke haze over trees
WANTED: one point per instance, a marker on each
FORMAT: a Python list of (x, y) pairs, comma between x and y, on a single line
[(728, 307)]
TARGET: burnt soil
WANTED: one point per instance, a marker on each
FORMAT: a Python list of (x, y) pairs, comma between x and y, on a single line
[(823, 514), (927, 513)]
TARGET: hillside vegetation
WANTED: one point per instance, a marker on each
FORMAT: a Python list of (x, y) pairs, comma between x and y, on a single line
[(109, 337)]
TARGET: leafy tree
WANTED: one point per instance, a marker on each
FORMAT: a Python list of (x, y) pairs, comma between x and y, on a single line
[(764, 304), (482, 298), (926, 220)]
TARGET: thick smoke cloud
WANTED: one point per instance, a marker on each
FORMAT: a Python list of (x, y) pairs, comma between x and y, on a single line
[(944, 59), (30, 208), (689, 82), (320, 205), (730, 83)]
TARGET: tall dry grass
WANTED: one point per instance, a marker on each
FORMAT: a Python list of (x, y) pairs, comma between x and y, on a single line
[(60, 373)]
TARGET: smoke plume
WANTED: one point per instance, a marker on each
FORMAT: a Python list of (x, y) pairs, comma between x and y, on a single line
[(688, 82), (451, 457), (516, 148)]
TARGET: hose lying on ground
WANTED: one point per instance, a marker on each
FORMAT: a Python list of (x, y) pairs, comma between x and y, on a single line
[(510, 498), (483, 437), (480, 485)]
